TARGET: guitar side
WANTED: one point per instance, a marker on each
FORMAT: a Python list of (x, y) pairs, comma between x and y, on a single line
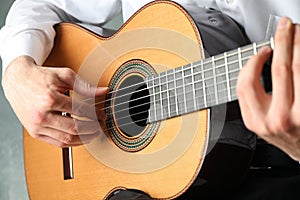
[(93, 179)]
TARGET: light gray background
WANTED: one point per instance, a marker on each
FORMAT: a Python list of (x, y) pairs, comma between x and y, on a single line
[(12, 175)]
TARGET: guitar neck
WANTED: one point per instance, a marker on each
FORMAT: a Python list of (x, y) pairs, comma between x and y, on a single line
[(199, 85)]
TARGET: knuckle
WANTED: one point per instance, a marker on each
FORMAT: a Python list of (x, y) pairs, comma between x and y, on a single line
[(68, 139), (73, 129), (279, 70), (257, 127), (60, 144), (49, 100), (68, 73), (296, 121), (240, 89), (282, 35), (265, 131), (35, 135), (242, 86), (281, 124), (262, 129), (39, 118)]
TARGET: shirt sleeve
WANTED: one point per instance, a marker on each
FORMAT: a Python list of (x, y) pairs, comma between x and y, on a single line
[(28, 29)]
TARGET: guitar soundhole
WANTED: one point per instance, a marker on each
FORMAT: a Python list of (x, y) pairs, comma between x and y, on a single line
[(128, 107), (139, 105), (131, 106)]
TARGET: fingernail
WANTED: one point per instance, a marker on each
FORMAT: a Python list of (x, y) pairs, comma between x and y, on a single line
[(265, 50), (103, 89), (283, 22)]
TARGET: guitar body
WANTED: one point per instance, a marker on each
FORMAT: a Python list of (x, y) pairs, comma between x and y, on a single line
[(163, 166)]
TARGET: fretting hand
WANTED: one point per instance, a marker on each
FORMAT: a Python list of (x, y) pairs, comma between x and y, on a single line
[(275, 117)]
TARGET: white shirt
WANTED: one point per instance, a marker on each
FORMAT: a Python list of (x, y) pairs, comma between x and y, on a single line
[(28, 29)]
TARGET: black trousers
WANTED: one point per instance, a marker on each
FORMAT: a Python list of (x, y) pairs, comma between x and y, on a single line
[(260, 185), (275, 183), (270, 184)]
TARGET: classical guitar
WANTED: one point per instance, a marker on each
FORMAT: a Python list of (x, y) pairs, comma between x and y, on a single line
[(156, 134)]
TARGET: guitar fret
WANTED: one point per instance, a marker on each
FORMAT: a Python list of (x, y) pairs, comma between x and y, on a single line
[(254, 48), (189, 87), (160, 95), (172, 93), (215, 80), (198, 85), (176, 97), (193, 86), (184, 94), (240, 58), (272, 42), (203, 85), (152, 111), (227, 77), (168, 97), (165, 99), (157, 97)]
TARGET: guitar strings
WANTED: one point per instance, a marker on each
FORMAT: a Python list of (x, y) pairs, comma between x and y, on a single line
[(188, 108), (210, 101), (179, 94), (203, 71), (159, 93), (162, 99), (140, 120), (202, 63), (191, 108)]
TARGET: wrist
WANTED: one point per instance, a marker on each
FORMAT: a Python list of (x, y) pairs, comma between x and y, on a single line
[(19, 65)]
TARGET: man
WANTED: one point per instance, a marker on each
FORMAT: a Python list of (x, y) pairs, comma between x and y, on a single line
[(27, 39)]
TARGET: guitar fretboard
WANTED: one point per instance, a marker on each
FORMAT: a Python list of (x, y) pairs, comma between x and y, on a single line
[(198, 85)]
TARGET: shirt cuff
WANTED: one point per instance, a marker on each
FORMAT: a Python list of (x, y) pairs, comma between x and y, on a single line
[(28, 43)]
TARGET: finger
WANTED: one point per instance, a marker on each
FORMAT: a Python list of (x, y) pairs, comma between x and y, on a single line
[(88, 110), (252, 97), (55, 142), (72, 126), (77, 107), (296, 67), (62, 139), (281, 67), (86, 89), (65, 79)]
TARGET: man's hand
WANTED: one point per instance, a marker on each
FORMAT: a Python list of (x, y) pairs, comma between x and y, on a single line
[(276, 117), (37, 96)]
